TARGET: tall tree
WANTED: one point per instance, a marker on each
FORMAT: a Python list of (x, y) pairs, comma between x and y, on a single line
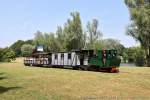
[(53, 43), (60, 38), (74, 32), (48, 40), (139, 28), (93, 33), (39, 38)]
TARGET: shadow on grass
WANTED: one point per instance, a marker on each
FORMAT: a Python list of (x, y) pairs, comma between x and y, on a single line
[(1, 78), (6, 89), (1, 73)]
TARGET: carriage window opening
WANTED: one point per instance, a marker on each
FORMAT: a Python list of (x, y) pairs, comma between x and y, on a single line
[(56, 56), (62, 56), (95, 55), (69, 55), (108, 54), (91, 54), (115, 53)]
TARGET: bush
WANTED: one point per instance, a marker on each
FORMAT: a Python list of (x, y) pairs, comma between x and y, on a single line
[(7, 55), (140, 58), (26, 50)]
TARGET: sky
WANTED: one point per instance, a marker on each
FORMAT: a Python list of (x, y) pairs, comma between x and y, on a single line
[(20, 19)]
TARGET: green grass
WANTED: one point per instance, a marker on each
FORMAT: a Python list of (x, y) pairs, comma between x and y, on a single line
[(18, 82)]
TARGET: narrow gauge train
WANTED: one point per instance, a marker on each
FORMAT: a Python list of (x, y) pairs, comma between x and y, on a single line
[(102, 60)]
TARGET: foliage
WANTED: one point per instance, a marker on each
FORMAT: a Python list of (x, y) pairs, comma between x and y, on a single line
[(134, 55), (125, 57), (70, 37), (48, 40), (1, 54), (93, 33), (131, 52), (7, 55), (16, 47), (60, 38), (113, 44), (98, 44), (74, 32), (140, 57), (140, 23), (53, 43), (26, 50), (39, 38)]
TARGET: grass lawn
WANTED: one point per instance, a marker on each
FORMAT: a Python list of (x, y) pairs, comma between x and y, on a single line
[(18, 82)]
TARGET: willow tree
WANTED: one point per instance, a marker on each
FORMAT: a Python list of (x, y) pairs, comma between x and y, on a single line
[(139, 27)]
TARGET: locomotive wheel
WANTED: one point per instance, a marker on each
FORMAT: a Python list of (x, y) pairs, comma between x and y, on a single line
[(75, 68), (85, 68), (61, 66), (80, 68), (114, 70)]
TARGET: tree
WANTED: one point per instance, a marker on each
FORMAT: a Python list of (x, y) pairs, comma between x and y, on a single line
[(140, 57), (7, 55), (140, 23), (16, 47), (131, 53), (134, 55), (137, 3), (125, 57), (60, 38), (113, 44), (29, 42), (39, 38), (1, 54), (73, 32), (85, 41), (48, 40), (93, 33), (53, 43), (26, 49)]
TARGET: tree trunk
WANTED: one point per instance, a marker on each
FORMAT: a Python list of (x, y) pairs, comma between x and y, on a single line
[(148, 58), (148, 61)]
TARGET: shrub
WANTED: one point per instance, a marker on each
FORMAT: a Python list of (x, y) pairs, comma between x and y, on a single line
[(26, 50), (140, 58), (7, 55)]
